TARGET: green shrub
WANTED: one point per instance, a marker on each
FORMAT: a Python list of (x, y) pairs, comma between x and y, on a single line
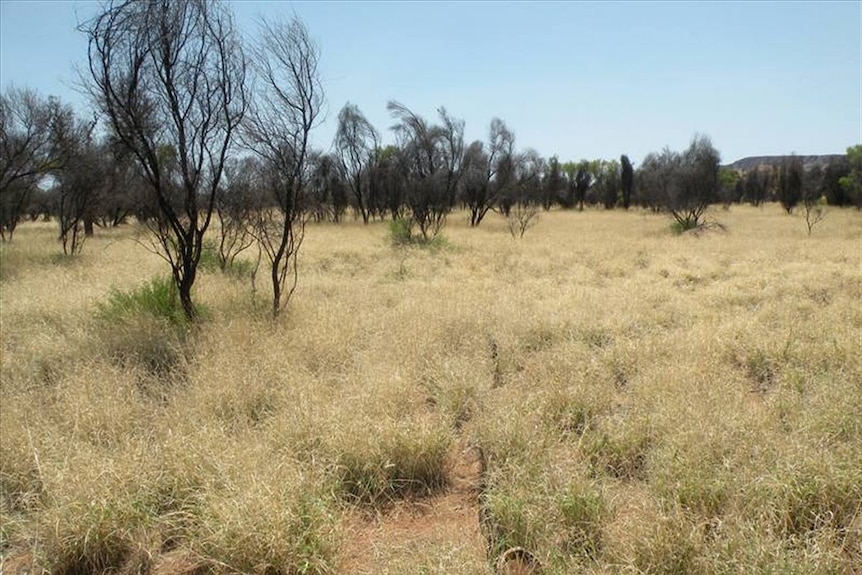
[(158, 299), (401, 231), (507, 522), (401, 234), (240, 268), (146, 329), (210, 260), (681, 226)]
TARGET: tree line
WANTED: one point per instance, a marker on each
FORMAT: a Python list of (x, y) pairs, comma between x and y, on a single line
[(200, 125)]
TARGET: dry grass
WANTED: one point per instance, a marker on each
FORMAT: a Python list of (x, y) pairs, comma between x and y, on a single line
[(645, 402)]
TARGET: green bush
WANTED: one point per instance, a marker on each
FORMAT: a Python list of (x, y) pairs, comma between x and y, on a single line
[(146, 329), (210, 260), (240, 268), (401, 234), (679, 227), (158, 299), (508, 522)]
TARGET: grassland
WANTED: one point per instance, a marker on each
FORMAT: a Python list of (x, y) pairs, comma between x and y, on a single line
[(610, 396)]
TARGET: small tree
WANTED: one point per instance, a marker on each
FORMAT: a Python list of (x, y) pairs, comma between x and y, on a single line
[(627, 180), (812, 198), (814, 213), (125, 191), (553, 185), (485, 175), (79, 169), (682, 184), (530, 170), (730, 187), (831, 187), (431, 160), (755, 185), (525, 193), (790, 182), (357, 144), (277, 129), (657, 176), (852, 182), (327, 190), (474, 182), (170, 78), (579, 177), (24, 153), (608, 182), (237, 203), (522, 216), (698, 183), (388, 181)]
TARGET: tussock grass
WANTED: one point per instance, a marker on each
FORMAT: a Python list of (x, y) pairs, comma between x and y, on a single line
[(646, 402)]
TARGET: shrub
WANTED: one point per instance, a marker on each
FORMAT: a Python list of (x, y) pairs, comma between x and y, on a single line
[(146, 328), (241, 268), (210, 260), (158, 299), (507, 522), (521, 218), (401, 233), (679, 227)]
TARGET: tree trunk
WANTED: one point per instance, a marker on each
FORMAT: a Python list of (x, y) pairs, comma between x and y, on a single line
[(276, 291), (184, 287), (186, 301)]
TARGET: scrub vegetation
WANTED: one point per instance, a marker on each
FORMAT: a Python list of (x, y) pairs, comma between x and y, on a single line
[(601, 393)]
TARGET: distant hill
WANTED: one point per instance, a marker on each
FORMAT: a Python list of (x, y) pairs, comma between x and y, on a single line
[(808, 162)]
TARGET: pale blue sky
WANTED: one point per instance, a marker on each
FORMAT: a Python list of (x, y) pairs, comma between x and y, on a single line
[(576, 79)]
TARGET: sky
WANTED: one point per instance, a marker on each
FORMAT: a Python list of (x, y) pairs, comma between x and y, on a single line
[(573, 79)]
